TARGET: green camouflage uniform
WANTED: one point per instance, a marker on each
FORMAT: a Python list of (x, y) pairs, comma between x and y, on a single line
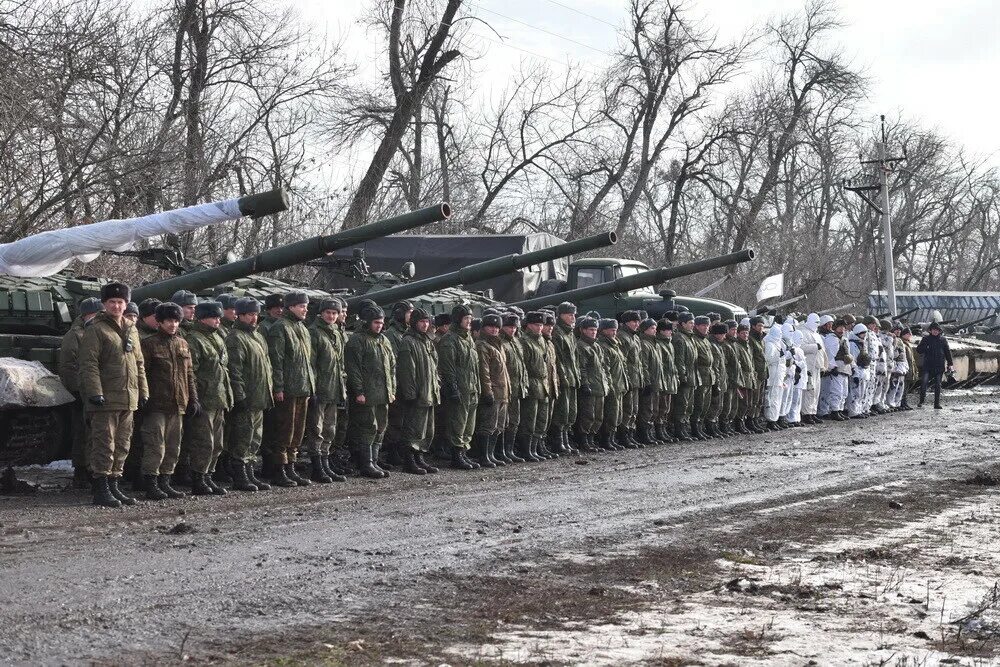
[(418, 389), (707, 381), (518, 379), (756, 344), (251, 380), (172, 385), (210, 362), (720, 389), (632, 349), (289, 347), (458, 366), (669, 380), (618, 381), (494, 381), (749, 378), (535, 406), (371, 372), (327, 361), (565, 411), (593, 386), (651, 360), (688, 381)]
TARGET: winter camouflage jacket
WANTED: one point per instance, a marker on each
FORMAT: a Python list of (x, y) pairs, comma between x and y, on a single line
[(458, 366), (249, 367), (493, 375), (590, 357), (614, 364), (169, 374), (290, 349), (417, 370), (111, 365), (686, 358), (515, 366), (210, 362), (371, 368), (327, 359), (566, 362)]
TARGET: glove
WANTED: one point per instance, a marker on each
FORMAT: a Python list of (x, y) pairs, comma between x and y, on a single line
[(453, 393), (193, 408), (142, 402), (96, 400), (487, 400), (342, 404), (239, 405), (586, 391), (856, 381)]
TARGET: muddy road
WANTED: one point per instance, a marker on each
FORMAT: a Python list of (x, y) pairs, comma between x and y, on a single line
[(814, 543)]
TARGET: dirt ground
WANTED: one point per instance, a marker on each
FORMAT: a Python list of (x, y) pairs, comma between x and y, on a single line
[(867, 542)]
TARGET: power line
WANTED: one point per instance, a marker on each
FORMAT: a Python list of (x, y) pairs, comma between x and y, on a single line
[(547, 32), (582, 13)]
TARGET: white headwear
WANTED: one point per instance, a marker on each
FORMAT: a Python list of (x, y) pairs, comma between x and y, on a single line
[(812, 322), (859, 329), (796, 337), (787, 327), (826, 319), (773, 334), (745, 322)]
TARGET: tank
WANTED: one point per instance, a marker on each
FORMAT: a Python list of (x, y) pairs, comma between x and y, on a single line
[(590, 297), (439, 293)]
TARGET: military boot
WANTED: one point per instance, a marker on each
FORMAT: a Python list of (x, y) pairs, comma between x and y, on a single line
[(199, 487), (499, 452), (163, 481), (363, 462), (509, 451), (478, 451), (252, 477), (216, 489), (773, 426), (102, 492), (410, 464), (568, 446), (628, 441), (418, 458), (81, 478), (335, 476), (492, 449), (526, 448), (122, 497), (553, 441), (585, 442), (293, 474), (740, 427), (223, 471), (458, 460), (317, 472), (622, 441), (606, 441), (153, 491), (696, 432), (240, 480), (542, 450)]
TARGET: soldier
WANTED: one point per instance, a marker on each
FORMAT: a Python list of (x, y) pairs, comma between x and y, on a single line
[(209, 360), (936, 357), (565, 411), (552, 362), (860, 377), (250, 378), (418, 392), (273, 310), (756, 342), (888, 341), (327, 360), (187, 301), (132, 313), (172, 394), (912, 375), (290, 350), (686, 358), (593, 385), (707, 380), (371, 387), (628, 334), (742, 423), (494, 387), (518, 374), (228, 302), (736, 383), (899, 367), (112, 379), (397, 329), (720, 372), (840, 368), (341, 464), (147, 324), (664, 338), (442, 322), (458, 366), (777, 373), (394, 432), (613, 354), (651, 361), (812, 347), (541, 387), (69, 352), (799, 379)]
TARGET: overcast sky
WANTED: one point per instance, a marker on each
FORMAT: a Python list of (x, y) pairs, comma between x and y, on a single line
[(935, 63)]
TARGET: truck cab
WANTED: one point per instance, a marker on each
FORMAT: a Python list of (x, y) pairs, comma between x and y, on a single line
[(596, 270)]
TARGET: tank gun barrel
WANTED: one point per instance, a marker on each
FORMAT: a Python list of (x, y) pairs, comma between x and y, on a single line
[(640, 280), (898, 318), (292, 254), (966, 325), (487, 270), (781, 304)]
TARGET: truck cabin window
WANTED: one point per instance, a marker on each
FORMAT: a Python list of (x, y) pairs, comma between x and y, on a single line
[(625, 271), (585, 277)]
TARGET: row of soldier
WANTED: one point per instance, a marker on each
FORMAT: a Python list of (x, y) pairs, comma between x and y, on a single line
[(219, 383)]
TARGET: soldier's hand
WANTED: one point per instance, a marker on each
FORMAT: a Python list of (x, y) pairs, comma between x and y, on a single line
[(279, 397), (360, 399), (453, 393), (143, 400), (193, 408), (96, 400), (487, 400)]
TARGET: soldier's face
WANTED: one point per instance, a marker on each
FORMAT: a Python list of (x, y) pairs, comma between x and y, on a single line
[(170, 327), (342, 317), (275, 312), (229, 314), (510, 331), (569, 319), (547, 329), (188, 312), (610, 333), (376, 325), (115, 307), (534, 328), (150, 321), (491, 331), (702, 329), (465, 323), (422, 325), (131, 318), (443, 329), (299, 310), (688, 326), (650, 331), (758, 328), (743, 335), (330, 316), (590, 333), (839, 331), (406, 316), (213, 322), (732, 332), (719, 337), (249, 318), (632, 325)]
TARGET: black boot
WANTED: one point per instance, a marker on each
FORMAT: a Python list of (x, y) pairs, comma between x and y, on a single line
[(410, 463), (585, 442), (199, 487), (465, 457), (499, 453), (480, 450), (120, 495), (102, 492), (252, 477), (223, 471), (81, 478), (418, 458), (696, 431), (324, 461), (216, 489), (376, 463), (363, 462), (240, 480), (526, 443), (279, 476), (153, 491), (509, 439), (163, 481), (458, 460), (292, 474), (318, 473), (606, 441), (491, 450)]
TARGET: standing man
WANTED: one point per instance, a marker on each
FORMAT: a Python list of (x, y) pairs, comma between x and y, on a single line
[(839, 369), (686, 357), (565, 411), (664, 337), (69, 352), (327, 361), (593, 385), (860, 378), (250, 378), (756, 340), (618, 384), (442, 323), (394, 333), (652, 370), (371, 387), (458, 366), (744, 358), (736, 382), (936, 359), (912, 376), (777, 373), (172, 394), (494, 387), (147, 324), (900, 368), (418, 392), (816, 364), (187, 301), (112, 381), (629, 336), (293, 384), (228, 302), (518, 374), (541, 387), (552, 362), (210, 362), (707, 380), (273, 310), (720, 371)]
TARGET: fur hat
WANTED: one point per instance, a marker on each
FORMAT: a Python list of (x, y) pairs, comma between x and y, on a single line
[(718, 328), (755, 320), (492, 321), (744, 325), (587, 323), (132, 308), (670, 315), (246, 305), (566, 308), (664, 325), (607, 323), (115, 291), (168, 311), (273, 301), (510, 319), (148, 306), (713, 317), (839, 323), (328, 304), (182, 297), (207, 309), (295, 299), (476, 324), (534, 317), (91, 306), (702, 319), (731, 324), (227, 300), (647, 323), (630, 316), (686, 316), (441, 319), (550, 318)]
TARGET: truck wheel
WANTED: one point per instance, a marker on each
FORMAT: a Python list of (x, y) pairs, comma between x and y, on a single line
[(550, 287)]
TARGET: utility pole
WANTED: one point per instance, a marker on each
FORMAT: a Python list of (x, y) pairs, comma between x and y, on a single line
[(884, 165)]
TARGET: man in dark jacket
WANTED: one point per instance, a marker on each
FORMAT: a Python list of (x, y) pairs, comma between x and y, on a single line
[(936, 354), (458, 366), (370, 367), (418, 392), (327, 361)]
